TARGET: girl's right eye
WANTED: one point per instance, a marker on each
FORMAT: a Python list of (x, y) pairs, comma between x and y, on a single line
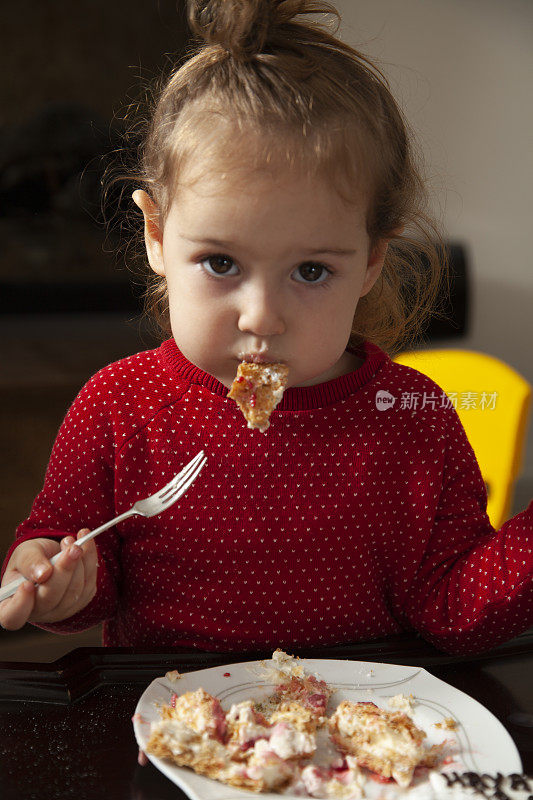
[(219, 265)]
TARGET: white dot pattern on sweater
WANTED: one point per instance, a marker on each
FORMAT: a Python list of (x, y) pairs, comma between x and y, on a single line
[(341, 523)]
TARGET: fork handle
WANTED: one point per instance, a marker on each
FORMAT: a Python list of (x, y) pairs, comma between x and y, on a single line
[(100, 529), (10, 588)]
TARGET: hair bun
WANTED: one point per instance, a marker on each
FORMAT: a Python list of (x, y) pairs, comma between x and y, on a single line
[(243, 27)]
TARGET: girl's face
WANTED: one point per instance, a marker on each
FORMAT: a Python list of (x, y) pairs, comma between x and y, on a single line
[(268, 268)]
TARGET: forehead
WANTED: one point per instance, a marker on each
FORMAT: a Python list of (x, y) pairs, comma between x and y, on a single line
[(267, 212), (227, 154)]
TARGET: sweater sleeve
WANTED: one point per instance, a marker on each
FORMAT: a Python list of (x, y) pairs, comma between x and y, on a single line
[(78, 492), (473, 585)]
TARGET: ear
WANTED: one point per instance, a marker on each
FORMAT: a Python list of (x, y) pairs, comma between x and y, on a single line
[(375, 262), (153, 234)]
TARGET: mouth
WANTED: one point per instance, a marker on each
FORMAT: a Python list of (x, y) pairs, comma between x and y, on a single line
[(258, 358)]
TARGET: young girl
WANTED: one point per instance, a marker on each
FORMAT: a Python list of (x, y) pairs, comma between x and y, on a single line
[(283, 222)]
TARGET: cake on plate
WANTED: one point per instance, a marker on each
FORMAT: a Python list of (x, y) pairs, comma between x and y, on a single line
[(241, 748), (386, 742), (270, 744)]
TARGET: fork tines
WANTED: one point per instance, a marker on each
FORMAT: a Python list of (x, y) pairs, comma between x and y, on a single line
[(183, 479)]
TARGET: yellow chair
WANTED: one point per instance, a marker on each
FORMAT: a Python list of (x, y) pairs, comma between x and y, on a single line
[(492, 401)]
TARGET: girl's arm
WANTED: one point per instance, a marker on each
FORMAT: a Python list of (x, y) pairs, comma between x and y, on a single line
[(78, 492), (472, 586)]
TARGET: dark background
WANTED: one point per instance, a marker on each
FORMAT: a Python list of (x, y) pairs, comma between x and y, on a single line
[(74, 95)]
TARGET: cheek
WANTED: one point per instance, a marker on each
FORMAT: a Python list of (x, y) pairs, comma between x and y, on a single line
[(195, 311), (348, 301), (333, 311), (184, 297)]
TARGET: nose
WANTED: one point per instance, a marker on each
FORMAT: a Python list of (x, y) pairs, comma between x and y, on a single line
[(260, 310)]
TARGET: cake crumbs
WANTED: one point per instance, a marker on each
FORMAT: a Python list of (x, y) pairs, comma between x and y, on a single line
[(448, 724), (402, 702)]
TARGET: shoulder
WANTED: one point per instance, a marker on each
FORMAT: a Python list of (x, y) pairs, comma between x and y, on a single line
[(127, 372), (406, 381), (129, 392), (384, 369), (123, 378), (407, 378), (418, 402)]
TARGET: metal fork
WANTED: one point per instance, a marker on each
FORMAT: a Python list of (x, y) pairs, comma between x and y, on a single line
[(148, 507)]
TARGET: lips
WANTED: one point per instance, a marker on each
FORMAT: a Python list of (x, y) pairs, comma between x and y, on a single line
[(258, 358)]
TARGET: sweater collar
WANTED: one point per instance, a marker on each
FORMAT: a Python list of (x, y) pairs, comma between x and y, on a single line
[(296, 398)]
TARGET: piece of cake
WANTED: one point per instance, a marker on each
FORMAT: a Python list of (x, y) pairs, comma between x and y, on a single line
[(191, 733), (386, 742), (257, 389), (301, 718), (245, 725), (240, 748), (297, 694), (342, 781)]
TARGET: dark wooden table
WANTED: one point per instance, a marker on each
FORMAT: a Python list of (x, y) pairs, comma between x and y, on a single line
[(66, 731)]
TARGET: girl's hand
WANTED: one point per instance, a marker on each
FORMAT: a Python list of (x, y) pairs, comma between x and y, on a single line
[(64, 588)]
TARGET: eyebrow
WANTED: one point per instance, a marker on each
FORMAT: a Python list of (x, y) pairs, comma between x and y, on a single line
[(313, 251)]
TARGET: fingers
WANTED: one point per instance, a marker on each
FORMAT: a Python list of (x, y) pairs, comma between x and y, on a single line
[(82, 586), (142, 760), (74, 574), (67, 542), (90, 558), (52, 592), (61, 592), (72, 584), (15, 610), (31, 561)]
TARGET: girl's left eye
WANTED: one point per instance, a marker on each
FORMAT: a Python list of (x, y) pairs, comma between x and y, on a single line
[(219, 265), (311, 273)]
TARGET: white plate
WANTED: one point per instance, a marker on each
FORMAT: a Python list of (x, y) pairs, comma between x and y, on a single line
[(479, 744)]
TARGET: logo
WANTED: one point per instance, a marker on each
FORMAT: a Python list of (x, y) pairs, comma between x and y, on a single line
[(384, 400)]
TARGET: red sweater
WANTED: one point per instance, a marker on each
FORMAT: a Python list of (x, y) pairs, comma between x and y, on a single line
[(341, 523)]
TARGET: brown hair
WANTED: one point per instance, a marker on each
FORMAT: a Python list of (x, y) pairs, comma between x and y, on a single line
[(259, 69)]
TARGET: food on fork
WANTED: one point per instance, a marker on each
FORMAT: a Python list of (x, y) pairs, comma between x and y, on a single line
[(386, 742), (257, 389)]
